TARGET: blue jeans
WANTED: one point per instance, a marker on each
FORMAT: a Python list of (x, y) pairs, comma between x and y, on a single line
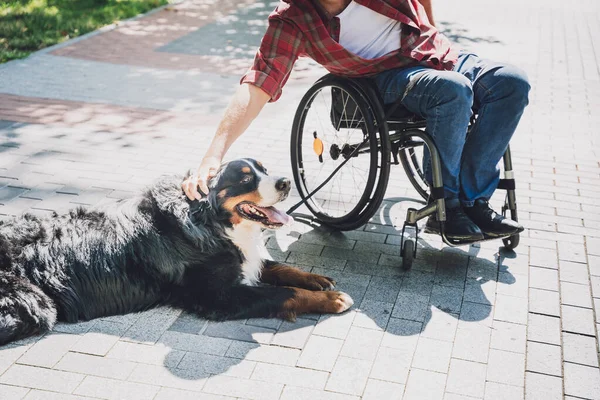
[(496, 92)]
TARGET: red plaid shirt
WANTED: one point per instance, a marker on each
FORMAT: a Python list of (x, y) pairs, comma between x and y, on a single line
[(303, 28)]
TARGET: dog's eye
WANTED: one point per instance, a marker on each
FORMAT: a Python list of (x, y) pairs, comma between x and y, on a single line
[(246, 178)]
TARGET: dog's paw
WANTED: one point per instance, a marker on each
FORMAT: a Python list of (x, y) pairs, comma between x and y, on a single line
[(318, 282), (341, 302)]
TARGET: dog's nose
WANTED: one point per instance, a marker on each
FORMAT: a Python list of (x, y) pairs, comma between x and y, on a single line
[(283, 185)]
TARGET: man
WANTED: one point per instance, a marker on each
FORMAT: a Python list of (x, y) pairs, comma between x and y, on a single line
[(395, 43)]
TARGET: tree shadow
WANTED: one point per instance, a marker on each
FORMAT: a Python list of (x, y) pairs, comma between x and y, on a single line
[(463, 36)]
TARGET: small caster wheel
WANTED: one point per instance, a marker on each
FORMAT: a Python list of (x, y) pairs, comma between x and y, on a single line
[(408, 254), (511, 242)]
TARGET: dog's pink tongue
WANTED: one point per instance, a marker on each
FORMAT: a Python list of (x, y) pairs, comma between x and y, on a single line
[(276, 215)]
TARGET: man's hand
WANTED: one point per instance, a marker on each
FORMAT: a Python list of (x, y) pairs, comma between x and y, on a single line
[(208, 168)]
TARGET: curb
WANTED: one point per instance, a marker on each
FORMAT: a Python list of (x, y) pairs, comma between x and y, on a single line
[(98, 31)]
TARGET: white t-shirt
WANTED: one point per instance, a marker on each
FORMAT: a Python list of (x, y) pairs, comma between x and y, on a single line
[(367, 33)]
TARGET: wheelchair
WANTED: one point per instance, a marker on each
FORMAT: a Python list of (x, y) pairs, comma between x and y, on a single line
[(343, 143)]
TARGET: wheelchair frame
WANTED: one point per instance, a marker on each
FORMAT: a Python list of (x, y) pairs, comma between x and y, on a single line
[(405, 128)]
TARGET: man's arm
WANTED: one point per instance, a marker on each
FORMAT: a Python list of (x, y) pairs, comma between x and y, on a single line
[(428, 10), (246, 104)]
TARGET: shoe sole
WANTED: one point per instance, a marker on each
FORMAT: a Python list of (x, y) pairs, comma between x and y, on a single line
[(463, 239)]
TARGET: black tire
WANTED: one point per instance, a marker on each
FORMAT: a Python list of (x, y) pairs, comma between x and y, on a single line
[(511, 242), (408, 254), (412, 159), (341, 204)]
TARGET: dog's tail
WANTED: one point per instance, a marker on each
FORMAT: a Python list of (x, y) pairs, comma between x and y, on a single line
[(24, 309)]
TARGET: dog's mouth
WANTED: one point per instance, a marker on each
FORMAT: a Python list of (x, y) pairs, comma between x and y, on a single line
[(270, 217)]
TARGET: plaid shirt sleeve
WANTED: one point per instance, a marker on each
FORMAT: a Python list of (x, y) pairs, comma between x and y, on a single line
[(275, 58)]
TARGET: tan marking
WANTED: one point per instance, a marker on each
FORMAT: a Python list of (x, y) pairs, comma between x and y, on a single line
[(259, 164), (222, 193), (304, 301), (231, 205), (286, 275), (246, 170)]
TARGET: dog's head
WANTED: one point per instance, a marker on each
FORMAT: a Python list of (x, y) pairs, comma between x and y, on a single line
[(244, 191)]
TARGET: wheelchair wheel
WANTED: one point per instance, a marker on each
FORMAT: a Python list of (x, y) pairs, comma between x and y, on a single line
[(411, 158), (340, 153)]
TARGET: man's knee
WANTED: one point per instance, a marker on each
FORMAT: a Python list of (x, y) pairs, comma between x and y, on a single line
[(514, 83), (453, 87)]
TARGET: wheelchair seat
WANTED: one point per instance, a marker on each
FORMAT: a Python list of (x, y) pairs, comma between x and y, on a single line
[(343, 111)]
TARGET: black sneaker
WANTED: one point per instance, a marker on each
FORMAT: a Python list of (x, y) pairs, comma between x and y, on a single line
[(458, 226), (490, 222)]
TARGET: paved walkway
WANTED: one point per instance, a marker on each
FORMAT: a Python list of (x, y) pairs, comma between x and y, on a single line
[(97, 119)]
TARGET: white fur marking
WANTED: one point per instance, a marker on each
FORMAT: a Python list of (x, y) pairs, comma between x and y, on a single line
[(248, 238)]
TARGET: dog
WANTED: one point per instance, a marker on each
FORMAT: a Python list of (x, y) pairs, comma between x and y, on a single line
[(159, 248)]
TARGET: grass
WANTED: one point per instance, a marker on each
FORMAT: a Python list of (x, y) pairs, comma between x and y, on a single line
[(30, 25)]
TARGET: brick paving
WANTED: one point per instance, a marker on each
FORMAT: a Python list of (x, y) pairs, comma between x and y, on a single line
[(94, 120)]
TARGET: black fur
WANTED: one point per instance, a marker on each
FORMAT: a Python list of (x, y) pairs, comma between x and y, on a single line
[(155, 249)]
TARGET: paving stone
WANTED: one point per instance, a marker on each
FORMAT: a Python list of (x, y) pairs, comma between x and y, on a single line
[(237, 330), (417, 282), (170, 394), (580, 349), (574, 272), (506, 367), (480, 291), (544, 329), (441, 326), (94, 365), (100, 338), (41, 378), (432, 355), (376, 390), (298, 393), (392, 364), (425, 385), (49, 350), (238, 387), (480, 313), (320, 353), (574, 252), (12, 392), (467, 378), (543, 278), (335, 325), (177, 378), (151, 325), (543, 387), (263, 353), (272, 323), (578, 320), (373, 314), (195, 343), (447, 299), (544, 358), (412, 307), (509, 337), (290, 375), (294, 334), (44, 395), (582, 381), (361, 343), (575, 294), (401, 334), (111, 389), (512, 285), (383, 289), (205, 364), (188, 323), (499, 391), (543, 258), (349, 376), (141, 353), (472, 342)]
